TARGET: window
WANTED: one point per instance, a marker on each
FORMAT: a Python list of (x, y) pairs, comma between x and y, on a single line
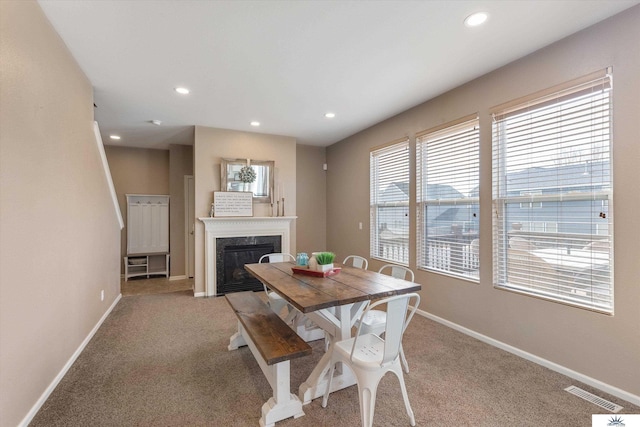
[(447, 197), (389, 202), (552, 195)]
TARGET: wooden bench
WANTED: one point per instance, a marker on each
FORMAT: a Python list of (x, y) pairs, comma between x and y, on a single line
[(273, 345)]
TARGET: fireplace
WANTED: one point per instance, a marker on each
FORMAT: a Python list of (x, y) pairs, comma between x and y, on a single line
[(232, 253), (241, 232)]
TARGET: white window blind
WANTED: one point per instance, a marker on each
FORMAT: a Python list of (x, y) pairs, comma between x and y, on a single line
[(552, 196), (447, 176), (389, 202)]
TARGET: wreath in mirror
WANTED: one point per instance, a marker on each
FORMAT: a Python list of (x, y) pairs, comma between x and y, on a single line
[(247, 174)]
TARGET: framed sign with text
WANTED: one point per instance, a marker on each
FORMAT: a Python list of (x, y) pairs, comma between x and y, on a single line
[(232, 203)]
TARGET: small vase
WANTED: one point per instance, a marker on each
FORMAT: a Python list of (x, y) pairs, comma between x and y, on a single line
[(313, 264), (302, 259)]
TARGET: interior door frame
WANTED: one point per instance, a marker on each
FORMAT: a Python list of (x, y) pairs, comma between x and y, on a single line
[(189, 227)]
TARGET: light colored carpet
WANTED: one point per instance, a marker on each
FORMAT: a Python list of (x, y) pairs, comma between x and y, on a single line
[(162, 360)]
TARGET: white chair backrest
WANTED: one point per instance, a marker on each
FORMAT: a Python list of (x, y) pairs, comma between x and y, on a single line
[(277, 257), (356, 261), (396, 324), (398, 272)]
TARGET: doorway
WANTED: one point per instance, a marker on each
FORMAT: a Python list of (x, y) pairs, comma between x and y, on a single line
[(189, 224)]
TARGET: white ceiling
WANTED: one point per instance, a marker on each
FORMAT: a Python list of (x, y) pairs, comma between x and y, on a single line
[(286, 63)]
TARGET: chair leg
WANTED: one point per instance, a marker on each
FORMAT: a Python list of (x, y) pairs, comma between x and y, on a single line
[(367, 390), (277, 305), (403, 358), (405, 396)]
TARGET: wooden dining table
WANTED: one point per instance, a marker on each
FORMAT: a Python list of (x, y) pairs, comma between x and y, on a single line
[(334, 303)]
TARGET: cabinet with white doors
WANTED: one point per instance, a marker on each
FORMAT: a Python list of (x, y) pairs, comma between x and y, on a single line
[(147, 224)]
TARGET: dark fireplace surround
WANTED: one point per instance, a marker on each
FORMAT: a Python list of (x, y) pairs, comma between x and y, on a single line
[(232, 253)]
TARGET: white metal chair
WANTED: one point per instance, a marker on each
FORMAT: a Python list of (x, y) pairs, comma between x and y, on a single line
[(398, 271), (276, 302), (371, 357), (356, 261), (375, 320), (299, 322)]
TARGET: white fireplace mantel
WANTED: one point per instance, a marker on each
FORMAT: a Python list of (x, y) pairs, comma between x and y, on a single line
[(240, 227)]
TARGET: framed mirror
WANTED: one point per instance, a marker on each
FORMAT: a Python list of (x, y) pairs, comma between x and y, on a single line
[(260, 183)]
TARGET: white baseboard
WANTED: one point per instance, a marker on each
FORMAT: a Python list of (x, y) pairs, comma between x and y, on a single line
[(183, 277), (43, 398), (199, 294), (614, 391)]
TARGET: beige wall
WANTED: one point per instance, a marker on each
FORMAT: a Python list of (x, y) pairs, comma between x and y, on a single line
[(210, 147), (605, 348), (311, 191), (137, 171), (180, 164), (60, 239)]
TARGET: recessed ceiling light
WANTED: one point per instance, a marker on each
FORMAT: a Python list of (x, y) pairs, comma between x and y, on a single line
[(156, 122), (182, 90), (255, 124), (476, 19), (114, 137), (330, 115)]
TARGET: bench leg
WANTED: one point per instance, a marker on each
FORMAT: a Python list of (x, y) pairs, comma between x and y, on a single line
[(283, 404), (237, 340)]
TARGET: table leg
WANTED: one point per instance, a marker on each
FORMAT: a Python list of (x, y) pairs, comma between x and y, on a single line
[(306, 329), (316, 384)]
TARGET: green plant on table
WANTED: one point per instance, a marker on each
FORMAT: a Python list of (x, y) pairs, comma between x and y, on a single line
[(325, 258)]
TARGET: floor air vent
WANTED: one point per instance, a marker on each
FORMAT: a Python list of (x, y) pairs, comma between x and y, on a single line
[(594, 399)]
